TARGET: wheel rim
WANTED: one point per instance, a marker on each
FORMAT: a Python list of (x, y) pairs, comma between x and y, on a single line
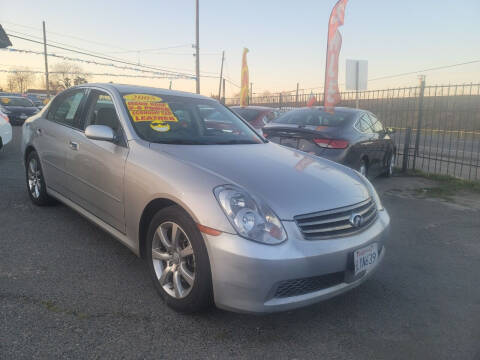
[(173, 260), (363, 169), (34, 178), (390, 166)]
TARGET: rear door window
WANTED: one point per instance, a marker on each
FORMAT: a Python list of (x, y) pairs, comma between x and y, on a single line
[(364, 124), (66, 110), (376, 124)]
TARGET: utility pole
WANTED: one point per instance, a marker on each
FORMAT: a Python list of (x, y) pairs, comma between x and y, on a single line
[(170, 87), (223, 91), (46, 61), (197, 46), (221, 75)]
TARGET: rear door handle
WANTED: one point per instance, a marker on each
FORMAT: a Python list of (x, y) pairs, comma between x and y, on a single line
[(73, 145), (39, 131)]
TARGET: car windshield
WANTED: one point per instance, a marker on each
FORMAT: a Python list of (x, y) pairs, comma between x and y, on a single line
[(185, 120), (248, 114), (16, 101), (314, 117)]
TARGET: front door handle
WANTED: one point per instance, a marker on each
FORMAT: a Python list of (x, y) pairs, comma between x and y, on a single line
[(73, 145)]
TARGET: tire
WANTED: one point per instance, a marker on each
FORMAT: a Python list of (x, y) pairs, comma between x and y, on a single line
[(391, 162), (363, 167), (180, 269), (36, 187)]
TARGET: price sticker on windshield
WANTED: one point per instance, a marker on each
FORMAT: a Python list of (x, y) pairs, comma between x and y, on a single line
[(152, 109)]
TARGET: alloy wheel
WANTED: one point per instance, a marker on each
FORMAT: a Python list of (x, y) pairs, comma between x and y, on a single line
[(34, 178), (173, 260), (390, 165), (363, 169)]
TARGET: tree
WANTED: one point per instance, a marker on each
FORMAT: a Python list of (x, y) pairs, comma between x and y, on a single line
[(65, 74), (20, 80)]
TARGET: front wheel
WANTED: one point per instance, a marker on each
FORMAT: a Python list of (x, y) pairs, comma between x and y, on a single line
[(178, 260)]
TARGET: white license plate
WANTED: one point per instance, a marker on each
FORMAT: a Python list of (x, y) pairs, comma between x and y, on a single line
[(23, 116), (365, 258)]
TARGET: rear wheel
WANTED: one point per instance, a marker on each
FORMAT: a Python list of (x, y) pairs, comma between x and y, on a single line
[(390, 165), (178, 261), (363, 167), (37, 190)]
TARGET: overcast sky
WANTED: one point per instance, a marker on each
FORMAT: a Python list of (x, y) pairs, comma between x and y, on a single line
[(287, 39)]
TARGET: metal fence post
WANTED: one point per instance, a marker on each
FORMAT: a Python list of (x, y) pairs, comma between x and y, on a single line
[(406, 149), (420, 118)]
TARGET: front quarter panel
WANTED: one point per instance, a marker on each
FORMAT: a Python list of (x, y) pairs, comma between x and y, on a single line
[(151, 175)]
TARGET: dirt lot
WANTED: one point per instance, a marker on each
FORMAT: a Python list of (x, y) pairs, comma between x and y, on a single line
[(69, 290)]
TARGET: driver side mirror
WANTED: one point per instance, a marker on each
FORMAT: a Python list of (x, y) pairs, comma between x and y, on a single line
[(100, 132)]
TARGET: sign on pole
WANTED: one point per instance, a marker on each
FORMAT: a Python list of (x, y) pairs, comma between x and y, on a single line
[(357, 75)]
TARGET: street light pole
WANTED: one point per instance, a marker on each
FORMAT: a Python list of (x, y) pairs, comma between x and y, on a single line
[(197, 46)]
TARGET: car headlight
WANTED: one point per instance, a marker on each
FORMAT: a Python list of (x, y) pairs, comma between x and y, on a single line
[(251, 218)]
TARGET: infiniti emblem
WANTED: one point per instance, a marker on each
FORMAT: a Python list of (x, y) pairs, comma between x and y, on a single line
[(356, 220)]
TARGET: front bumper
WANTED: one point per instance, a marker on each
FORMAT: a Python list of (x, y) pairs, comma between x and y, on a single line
[(246, 275), (5, 134)]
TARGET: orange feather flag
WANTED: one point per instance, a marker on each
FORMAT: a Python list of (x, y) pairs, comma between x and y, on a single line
[(244, 83)]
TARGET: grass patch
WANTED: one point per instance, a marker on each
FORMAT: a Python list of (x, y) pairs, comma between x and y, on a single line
[(447, 186)]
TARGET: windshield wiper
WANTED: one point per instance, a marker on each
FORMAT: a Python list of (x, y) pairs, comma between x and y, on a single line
[(236, 141), (181, 142)]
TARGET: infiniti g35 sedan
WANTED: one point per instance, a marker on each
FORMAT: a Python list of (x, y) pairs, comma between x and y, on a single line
[(352, 137), (220, 214)]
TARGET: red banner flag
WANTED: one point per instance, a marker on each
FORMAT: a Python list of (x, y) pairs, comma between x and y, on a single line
[(244, 78), (334, 44)]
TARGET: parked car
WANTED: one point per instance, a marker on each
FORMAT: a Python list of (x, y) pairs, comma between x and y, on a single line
[(18, 108), (353, 137), (37, 101), (219, 214), (257, 116), (5, 129)]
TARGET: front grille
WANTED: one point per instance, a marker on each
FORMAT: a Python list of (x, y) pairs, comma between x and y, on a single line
[(297, 287), (337, 222)]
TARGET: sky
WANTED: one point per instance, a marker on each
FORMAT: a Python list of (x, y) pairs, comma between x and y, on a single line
[(286, 39)]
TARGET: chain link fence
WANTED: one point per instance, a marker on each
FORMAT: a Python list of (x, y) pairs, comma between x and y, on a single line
[(437, 128)]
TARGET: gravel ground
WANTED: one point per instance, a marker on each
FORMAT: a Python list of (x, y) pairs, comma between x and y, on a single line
[(69, 290)]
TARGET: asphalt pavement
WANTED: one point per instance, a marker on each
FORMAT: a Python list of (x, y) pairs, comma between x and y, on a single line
[(69, 290)]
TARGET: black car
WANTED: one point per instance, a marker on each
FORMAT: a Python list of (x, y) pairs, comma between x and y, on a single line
[(353, 137), (18, 108)]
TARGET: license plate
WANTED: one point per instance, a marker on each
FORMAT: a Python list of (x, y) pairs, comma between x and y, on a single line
[(23, 116), (365, 258)]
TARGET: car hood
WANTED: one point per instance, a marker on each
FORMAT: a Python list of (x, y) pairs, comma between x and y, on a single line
[(290, 182)]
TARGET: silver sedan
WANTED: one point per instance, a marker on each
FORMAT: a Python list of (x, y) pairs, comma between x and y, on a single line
[(220, 214)]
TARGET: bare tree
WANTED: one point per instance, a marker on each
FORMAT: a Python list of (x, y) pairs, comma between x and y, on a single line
[(20, 80), (65, 74)]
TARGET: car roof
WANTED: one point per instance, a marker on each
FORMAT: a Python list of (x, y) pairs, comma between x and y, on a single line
[(252, 107), (125, 88), (14, 97)]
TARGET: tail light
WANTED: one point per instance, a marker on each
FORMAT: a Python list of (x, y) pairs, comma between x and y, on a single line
[(331, 143)]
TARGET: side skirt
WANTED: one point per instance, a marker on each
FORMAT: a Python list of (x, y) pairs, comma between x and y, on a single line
[(95, 220)]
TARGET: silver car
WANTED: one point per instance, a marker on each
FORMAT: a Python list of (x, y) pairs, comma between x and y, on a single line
[(220, 214)]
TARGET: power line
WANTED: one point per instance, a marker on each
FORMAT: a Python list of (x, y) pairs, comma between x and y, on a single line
[(93, 62), (101, 57)]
